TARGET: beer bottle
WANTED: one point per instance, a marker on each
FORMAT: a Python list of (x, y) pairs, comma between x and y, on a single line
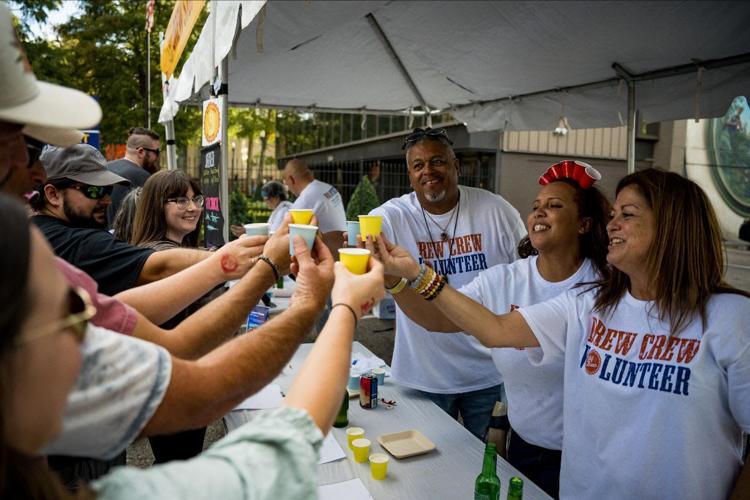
[(487, 485), (515, 488), (280, 283), (342, 419)]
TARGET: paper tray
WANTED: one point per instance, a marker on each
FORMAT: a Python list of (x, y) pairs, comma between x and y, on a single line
[(406, 444)]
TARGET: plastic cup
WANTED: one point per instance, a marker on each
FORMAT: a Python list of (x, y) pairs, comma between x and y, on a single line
[(355, 259), (307, 232), (379, 465), (361, 448), (301, 215), (369, 225), (352, 231), (353, 381), (257, 229), (353, 433), (588, 177), (380, 374)]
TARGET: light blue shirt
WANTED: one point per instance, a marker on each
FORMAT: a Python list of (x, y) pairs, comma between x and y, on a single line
[(274, 456)]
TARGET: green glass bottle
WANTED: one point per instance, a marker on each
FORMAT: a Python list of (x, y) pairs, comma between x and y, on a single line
[(342, 419), (515, 488), (280, 283), (487, 485)]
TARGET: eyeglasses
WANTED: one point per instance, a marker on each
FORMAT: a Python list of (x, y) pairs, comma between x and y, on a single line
[(34, 149), (93, 192), (183, 202), (421, 133), (81, 310), (155, 151)]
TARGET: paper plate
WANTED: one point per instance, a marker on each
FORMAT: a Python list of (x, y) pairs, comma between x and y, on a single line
[(406, 444)]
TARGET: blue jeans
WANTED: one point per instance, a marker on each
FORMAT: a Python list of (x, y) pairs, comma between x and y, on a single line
[(475, 407)]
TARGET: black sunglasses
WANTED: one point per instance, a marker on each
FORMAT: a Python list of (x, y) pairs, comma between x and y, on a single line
[(93, 192), (34, 149), (422, 133), (155, 151)]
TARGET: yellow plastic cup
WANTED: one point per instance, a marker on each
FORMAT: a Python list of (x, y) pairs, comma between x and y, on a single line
[(370, 224), (379, 465), (361, 448), (301, 215), (353, 433), (355, 259)]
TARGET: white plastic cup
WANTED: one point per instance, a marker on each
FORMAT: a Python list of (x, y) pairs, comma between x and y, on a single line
[(257, 229), (307, 232), (352, 231)]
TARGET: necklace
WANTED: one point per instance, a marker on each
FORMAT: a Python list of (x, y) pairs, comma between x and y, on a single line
[(444, 235), (443, 230)]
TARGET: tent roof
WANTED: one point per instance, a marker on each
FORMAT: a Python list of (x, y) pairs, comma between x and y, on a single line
[(494, 65)]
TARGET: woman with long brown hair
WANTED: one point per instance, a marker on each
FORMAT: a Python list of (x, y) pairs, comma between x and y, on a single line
[(656, 356)]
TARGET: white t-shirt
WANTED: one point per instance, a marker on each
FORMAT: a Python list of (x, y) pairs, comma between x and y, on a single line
[(121, 384), (535, 393), (486, 233), (326, 202), (648, 415), (277, 216)]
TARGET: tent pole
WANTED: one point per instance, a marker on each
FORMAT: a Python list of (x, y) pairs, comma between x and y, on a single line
[(224, 186), (169, 126), (631, 127)]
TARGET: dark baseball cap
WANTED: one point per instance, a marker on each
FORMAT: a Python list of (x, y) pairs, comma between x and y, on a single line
[(82, 163)]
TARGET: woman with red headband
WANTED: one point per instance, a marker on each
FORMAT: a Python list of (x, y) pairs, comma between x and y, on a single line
[(656, 355), (566, 245)]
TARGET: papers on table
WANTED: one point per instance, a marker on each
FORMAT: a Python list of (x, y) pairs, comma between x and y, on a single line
[(363, 363), (330, 450), (268, 397), (354, 489)]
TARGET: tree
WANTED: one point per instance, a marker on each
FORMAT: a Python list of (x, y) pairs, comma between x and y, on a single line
[(103, 53)]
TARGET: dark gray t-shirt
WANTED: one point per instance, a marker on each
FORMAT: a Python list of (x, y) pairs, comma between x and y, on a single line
[(132, 172)]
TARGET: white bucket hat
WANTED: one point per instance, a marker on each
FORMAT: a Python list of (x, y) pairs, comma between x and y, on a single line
[(25, 100)]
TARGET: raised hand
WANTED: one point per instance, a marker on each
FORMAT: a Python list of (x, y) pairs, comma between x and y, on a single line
[(314, 280), (237, 257), (277, 246), (360, 292), (396, 260)]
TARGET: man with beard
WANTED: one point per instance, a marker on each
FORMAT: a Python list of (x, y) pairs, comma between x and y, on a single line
[(141, 160), (458, 231), (72, 215)]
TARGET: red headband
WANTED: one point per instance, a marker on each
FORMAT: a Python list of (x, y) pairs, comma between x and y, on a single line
[(582, 173)]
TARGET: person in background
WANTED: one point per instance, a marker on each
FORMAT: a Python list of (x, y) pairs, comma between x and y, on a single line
[(656, 354), (459, 231), (122, 226), (274, 196), (274, 456), (364, 198), (167, 217), (322, 198), (141, 160), (566, 246)]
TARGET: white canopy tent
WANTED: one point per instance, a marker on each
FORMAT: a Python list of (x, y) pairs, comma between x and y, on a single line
[(493, 65)]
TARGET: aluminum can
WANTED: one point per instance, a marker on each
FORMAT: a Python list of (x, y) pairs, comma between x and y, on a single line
[(368, 391)]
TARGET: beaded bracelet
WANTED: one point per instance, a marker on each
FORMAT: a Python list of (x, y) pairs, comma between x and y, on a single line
[(429, 276), (414, 284), (398, 286), (273, 266), (438, 289), (433, 284), (348, 307)]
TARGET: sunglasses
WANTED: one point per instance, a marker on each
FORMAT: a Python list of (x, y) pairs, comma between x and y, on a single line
[(93, 192), (34, 149), (81, 310), (183, 202), (428, 133), (155, 151)]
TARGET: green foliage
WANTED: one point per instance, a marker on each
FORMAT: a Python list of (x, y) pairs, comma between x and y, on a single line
[(102, 52), (244, 210)]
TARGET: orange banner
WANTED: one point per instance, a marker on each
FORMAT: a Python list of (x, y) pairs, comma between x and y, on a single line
[(184, 16)]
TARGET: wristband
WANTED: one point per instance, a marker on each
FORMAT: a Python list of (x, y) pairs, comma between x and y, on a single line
[(275, 269), (398, 286), (415, 283), (348, 307)]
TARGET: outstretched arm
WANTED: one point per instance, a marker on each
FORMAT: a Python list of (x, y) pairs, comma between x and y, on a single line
[(204, 390), (163, 299), (319, 386)]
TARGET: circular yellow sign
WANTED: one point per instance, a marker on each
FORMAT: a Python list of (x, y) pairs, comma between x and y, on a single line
[(211, 122)]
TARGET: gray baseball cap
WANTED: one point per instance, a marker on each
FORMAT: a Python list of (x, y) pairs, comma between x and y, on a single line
[(82, 163)]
